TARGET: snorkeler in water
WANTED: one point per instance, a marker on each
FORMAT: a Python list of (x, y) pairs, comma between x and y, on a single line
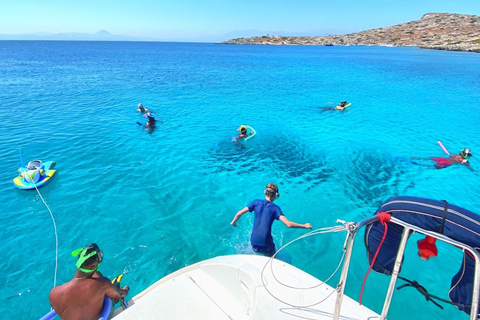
[(443, 162), (141, 108), (243, 132), (151, 120), (461, 158), (340, 107)]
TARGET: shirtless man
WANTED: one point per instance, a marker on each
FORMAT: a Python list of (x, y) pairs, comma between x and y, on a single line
[(82, 297)]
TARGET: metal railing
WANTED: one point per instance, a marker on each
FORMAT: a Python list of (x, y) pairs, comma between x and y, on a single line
[(353, 228)]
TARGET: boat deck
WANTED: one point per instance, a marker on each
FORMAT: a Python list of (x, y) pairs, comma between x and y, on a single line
[(230, 287)]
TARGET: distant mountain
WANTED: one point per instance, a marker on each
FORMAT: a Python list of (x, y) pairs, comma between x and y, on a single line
[(101, 35), (104, 35), (442, 31)]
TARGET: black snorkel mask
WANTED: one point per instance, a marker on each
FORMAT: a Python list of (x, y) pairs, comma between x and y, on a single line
[(272, 193), (84, 256)]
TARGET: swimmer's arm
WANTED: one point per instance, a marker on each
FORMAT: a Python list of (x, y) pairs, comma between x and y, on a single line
[(238, 215), (114, 292), (292, 224)]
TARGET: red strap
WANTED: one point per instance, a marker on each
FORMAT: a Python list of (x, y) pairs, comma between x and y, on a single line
[(383, 217)]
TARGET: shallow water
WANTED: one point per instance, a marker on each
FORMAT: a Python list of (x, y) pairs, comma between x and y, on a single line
[(158, 201)]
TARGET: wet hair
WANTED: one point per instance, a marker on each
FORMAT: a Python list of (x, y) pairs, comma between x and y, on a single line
[(272, 189)]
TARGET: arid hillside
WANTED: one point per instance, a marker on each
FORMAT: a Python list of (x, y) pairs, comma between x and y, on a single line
[(443, 31)]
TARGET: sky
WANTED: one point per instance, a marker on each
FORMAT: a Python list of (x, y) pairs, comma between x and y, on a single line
[(203, 19)]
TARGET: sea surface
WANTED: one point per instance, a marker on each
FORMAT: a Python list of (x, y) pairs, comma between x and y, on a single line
[(161, 200)]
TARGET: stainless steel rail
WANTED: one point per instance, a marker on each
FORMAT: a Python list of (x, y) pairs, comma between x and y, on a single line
[(353, 228)]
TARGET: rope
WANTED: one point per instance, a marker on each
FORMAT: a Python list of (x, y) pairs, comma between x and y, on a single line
[(383, 217), (309, 234), (56, 235), (424, 292)]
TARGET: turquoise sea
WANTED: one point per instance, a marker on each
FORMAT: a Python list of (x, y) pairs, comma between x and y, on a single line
[(158, 201)]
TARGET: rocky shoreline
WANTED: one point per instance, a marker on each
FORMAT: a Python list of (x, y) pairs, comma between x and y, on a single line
[(441, 31)]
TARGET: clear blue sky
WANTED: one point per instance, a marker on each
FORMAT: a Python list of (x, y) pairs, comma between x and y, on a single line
[(197, 19)]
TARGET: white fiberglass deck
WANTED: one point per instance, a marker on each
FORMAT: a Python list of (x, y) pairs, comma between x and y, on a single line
[(230, 287)]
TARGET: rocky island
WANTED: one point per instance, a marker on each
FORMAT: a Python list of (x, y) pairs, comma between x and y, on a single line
[(441, 31)]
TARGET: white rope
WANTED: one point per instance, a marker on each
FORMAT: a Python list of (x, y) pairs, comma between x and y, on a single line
[(56, 235), (309, 234)]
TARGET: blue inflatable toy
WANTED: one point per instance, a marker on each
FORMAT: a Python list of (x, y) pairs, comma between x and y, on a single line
[(107, 307), (36, 173)]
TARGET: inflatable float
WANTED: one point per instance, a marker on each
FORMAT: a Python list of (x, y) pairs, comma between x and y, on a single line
[(340, 108), (107, 307), (245, 130), (252, 133), (35, 174)]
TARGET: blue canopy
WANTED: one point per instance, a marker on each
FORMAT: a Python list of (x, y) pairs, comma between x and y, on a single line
[(439, 216)]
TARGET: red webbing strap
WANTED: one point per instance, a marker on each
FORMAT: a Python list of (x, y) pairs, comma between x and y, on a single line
[(383, 217)]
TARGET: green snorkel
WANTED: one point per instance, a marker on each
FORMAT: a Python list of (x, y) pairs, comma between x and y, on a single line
[(84, 256)]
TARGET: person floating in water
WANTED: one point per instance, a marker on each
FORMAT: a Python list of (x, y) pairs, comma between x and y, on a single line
[(461, 158), (265, 212), (82, 297), (243, 132), (141, 108), (340, 107), (151, 120)]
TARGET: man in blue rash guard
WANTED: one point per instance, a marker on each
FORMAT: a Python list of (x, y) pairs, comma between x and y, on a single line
[(265, 213)]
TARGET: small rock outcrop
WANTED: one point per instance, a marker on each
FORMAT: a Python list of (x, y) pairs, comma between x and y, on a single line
[(442, 31)]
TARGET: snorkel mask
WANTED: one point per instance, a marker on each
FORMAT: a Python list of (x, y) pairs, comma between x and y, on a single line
[(465, 153), (272, 192), (84, 256), (150, 116)]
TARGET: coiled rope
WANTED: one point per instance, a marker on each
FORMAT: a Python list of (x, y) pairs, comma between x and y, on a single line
[(309, 234)]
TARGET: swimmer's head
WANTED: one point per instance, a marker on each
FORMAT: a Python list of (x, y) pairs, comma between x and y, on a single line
[(465, 153), (271, 190), (89, 258), (243, 128), (343, 102), (140, 105), (150, 116)]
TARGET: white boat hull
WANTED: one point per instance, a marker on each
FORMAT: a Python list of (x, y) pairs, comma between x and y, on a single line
[(230, 287)]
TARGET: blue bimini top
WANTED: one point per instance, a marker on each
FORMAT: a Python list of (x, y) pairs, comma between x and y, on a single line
[(439, 216)]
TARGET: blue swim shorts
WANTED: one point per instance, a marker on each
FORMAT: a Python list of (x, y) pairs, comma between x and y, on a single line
[(267, 251)]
